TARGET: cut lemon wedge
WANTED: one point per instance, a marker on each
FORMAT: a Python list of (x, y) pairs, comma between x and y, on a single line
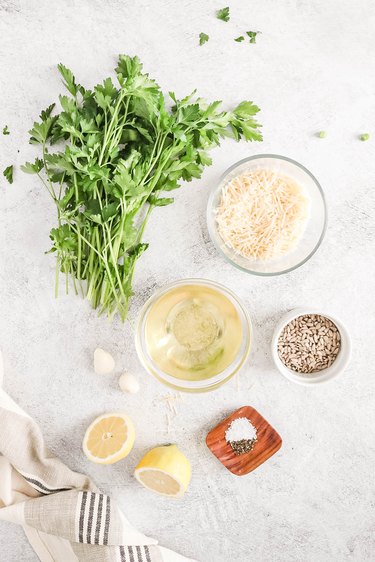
[(109, 438), (164, 470)]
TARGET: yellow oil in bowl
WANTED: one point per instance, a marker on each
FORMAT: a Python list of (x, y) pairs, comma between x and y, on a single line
[(192, 332)]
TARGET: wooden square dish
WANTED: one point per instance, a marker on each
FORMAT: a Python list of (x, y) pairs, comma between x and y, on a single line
[(267, 444)]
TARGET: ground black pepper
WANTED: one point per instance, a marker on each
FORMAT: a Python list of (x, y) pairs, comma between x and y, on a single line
[(243, 446)]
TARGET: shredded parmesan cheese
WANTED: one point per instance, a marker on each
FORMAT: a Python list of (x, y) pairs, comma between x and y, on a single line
[(262, 214)]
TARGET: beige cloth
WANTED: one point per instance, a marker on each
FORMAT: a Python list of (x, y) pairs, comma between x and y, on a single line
[(65, 517)]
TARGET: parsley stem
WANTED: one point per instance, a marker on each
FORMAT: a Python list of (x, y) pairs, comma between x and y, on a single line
[(79, 239), (108, 130), (84, 238), (52, 191), (114, 264), (157, 155), (74, 279), (109, 275), (52, 194), (119, 129)]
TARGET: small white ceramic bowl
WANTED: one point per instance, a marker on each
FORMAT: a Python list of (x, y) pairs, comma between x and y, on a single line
[(337, 367)]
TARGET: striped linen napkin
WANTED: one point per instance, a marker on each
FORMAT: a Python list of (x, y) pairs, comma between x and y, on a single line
[(65, 517)]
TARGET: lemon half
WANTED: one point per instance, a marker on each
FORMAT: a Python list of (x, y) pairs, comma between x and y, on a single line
[(109, 438), (164, 470)]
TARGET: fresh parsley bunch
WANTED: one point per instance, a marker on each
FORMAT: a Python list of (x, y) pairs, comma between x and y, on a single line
[(120, 150)]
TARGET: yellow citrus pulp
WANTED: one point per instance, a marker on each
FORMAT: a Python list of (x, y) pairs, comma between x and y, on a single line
[(109, 438), (164, 470)]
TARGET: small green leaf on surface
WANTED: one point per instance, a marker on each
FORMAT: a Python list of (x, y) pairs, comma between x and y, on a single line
[(203, 38), (322, 134), (223, 14), (8, 174), (240, 39), (6, 130), (252, 35), (364, 137)]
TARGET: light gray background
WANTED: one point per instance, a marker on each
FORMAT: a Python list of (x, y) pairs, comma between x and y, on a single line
[(311, 69)]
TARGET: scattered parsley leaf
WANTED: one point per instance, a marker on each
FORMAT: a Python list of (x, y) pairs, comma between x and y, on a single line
[(240, 39), (252, 35), (8, 174), (364, 137), (223, 14), (6, 131), (322, 134), (203, 38)]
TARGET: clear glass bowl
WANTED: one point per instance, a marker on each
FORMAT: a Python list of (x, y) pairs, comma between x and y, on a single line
[(185, 384), (315, 227)]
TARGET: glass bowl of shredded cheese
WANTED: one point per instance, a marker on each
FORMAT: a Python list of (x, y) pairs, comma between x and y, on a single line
[(268, 215)]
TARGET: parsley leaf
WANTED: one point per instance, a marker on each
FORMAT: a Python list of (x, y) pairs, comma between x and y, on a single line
[(34, 168), (123, 146), (240, 39), (223, 14), (8, 174), (68, 79), (6, 130), (203, 38), (252, 35)]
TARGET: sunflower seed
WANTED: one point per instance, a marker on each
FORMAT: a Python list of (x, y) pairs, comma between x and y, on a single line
[(309, 344)]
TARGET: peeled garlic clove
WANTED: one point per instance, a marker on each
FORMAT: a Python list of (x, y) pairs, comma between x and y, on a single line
[(128, 383), (103, 362)]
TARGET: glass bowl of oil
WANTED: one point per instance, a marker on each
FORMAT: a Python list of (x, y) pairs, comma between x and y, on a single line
[(193, 335)]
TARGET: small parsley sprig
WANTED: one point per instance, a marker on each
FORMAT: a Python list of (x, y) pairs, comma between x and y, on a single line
[(203, 38), (6, 130), (252, 35), (223, 14), (120, 153), (8, 173)]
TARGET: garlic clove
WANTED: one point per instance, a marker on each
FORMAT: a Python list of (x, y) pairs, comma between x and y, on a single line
[(103, 362), (128, 383)]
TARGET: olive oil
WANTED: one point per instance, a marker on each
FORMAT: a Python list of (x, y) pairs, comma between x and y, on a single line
[(193, 332)]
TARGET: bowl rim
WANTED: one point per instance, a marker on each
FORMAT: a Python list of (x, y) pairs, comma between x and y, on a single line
[(326, 375), (210, 222), (206, 384)]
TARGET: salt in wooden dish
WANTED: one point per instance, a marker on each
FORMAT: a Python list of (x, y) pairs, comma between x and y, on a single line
[(267, 444)]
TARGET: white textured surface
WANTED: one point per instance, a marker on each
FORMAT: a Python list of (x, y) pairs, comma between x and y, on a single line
[(312, 68)]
